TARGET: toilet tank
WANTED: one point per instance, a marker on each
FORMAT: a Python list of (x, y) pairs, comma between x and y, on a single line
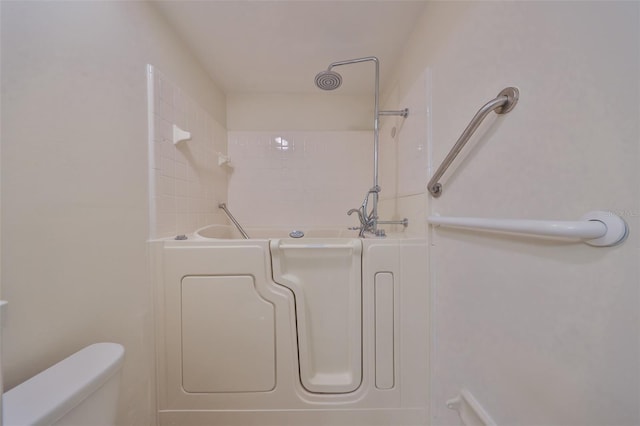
[(79, 390)]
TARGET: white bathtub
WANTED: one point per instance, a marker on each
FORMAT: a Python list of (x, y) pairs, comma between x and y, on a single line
[(327, 329), (230, 232)]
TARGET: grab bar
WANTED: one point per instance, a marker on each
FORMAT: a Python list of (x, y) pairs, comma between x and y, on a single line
[(505, 102), (224, 208), (596, 228)]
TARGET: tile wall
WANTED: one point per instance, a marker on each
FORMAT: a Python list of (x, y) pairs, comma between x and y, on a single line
[(299, 178), (185, 182)]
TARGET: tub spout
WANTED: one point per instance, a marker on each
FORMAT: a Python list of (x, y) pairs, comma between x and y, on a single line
[(360, 216)]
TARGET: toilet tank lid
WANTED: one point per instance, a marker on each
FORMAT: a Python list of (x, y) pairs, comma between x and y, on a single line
[(49, 395)]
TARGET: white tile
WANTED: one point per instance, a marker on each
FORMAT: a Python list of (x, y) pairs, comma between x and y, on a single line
[(180, 171), (187, 184), (165, 90), (167, 166), (165, 185), (178, 100), (182, 225), (182, 205), (181, 188), (167, 149)]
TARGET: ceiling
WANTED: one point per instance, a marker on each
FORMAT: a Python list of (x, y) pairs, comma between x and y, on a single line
[(271, 46)]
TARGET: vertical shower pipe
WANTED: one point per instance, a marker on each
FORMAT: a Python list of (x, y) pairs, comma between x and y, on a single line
[(376, 116)]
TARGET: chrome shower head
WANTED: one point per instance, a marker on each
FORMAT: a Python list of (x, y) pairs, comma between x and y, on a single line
[(328, 80)]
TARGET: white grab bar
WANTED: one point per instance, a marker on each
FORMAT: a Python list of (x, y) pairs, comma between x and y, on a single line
[(596, 228)]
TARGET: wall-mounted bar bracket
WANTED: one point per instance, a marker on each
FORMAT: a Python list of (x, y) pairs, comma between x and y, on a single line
[(404, 113), (505, 102)]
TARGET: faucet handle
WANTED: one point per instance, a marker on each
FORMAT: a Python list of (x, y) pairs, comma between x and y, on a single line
[(380, 233)]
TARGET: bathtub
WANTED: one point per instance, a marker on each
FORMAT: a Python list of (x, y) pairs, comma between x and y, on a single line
[(230, 232), (327, 329)]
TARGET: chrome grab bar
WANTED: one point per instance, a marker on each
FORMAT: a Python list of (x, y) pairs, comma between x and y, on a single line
[(224, 208), (506, 100)]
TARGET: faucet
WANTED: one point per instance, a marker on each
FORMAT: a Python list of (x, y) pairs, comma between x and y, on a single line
[(368, 220)]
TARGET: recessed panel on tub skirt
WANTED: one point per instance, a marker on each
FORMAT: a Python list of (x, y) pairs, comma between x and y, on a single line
[(384, 330), (228, 336)]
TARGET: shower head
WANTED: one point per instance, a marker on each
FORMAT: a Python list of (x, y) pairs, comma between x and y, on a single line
[(331, 80), (328, 80)]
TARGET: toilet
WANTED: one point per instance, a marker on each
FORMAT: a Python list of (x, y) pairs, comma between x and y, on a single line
[(81, 390)]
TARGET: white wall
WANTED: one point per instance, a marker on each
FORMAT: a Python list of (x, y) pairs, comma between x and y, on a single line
[(540, 332), (404, 155), (74, 181)]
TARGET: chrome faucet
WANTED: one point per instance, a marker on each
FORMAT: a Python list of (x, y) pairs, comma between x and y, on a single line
[(368, 220)]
